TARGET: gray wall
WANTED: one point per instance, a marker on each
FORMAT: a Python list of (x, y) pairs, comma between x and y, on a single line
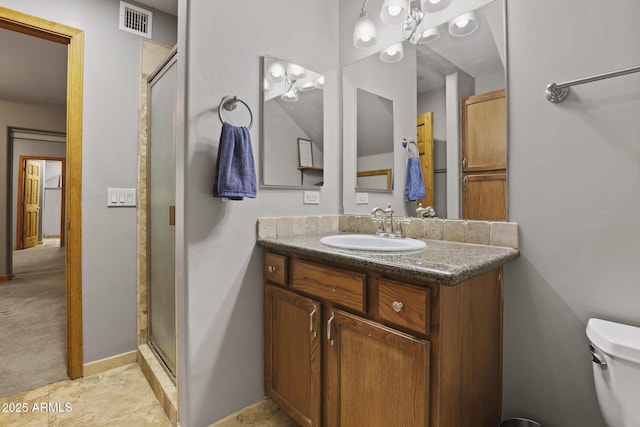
[(110, 147), (220, 349), (573, 188)]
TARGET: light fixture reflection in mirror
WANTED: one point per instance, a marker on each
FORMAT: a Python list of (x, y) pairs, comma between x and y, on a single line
[(292, 110), (374, 163), (446, 70)]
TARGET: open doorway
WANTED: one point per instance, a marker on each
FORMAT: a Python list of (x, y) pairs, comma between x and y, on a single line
[(73, 40), (38, 187), (33, 302)]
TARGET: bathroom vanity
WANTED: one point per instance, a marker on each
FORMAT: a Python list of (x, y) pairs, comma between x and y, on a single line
[(371, 339)]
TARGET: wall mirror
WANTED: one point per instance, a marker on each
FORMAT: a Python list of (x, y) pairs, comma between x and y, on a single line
[(292, 125), (434, 76), (374, 142)]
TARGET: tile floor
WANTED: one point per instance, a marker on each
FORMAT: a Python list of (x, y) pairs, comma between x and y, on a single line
[(119, 397)]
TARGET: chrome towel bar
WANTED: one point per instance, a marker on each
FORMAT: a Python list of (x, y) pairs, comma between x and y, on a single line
[(556, 92)]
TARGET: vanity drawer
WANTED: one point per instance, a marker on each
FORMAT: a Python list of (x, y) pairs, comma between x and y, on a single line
[(403, 305), (275, 268), (334, 285)]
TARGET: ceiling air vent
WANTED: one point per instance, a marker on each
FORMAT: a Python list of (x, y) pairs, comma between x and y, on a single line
[(136, 20)]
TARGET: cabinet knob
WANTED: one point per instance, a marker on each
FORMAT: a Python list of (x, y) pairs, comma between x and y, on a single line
[(397, 306), (271, 269)]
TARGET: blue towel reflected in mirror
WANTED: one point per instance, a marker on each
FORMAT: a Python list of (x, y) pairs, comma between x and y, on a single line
[(415, 183)]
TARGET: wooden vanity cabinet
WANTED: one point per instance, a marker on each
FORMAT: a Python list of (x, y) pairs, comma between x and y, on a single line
[(374, 376), (292, 354), (350, 348)]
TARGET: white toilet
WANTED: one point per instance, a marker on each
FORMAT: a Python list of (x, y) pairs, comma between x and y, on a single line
[(616, 369)]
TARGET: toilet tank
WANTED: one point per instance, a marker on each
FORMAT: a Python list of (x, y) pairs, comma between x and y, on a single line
[(617, 380)]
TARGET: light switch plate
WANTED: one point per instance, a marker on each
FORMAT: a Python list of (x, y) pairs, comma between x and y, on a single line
[(121, 197), (362, 198), (311, 198)]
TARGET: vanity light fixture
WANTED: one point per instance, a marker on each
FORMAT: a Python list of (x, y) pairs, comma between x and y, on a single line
[(409, 14), (364, 32), (393, 11), (432, 6), (393, 53), (409, 26), (319, 82), (290, 95), (276, 72), (463, 25), (279, 71), (428, 35), (295, 72)]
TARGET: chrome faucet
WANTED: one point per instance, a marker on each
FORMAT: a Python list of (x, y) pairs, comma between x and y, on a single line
[(427, 212), (388, 226)]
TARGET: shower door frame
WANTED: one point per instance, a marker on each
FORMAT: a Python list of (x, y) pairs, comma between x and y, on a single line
[(171, 369)]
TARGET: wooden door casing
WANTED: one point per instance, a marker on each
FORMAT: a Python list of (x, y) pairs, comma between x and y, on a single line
[(74, 39)]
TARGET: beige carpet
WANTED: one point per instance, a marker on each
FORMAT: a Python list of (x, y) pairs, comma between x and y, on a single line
[(33, 333), (37, 260)]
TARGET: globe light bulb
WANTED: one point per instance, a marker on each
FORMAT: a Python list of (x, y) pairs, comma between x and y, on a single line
[(394, 10)]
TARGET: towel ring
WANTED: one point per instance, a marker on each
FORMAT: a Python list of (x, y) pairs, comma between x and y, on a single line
[(230, 103), (406, 145)]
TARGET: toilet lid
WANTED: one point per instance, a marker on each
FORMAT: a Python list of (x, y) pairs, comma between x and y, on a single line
[(615, 339)]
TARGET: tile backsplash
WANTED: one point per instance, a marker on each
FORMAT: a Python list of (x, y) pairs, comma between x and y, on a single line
[(465, 231)]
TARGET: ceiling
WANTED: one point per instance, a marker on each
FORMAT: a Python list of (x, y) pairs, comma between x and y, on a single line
[(476, 54), (33, 70)]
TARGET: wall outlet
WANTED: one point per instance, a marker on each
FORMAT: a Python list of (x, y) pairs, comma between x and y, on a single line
[(311, 198), (121, 197), (362, 198)]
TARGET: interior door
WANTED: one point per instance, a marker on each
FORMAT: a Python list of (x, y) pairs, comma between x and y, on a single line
[(425, 148), (31, 211)]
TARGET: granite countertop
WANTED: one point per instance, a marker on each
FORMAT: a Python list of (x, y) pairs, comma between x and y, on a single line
[(441, 262)]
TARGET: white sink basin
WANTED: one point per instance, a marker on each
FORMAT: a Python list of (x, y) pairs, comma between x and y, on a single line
[(368, 242)]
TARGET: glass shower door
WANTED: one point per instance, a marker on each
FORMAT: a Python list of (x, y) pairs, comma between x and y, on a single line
[(161, 217)]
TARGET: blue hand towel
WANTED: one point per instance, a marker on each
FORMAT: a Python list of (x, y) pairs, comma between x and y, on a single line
[(415, 183), (235, 169)]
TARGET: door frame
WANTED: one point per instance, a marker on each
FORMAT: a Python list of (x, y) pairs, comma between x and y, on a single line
[(74, 39), (20, 212)]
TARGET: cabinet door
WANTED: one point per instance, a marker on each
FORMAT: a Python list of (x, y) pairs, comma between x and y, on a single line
[(292, 354), (374, 376), (484, 146), (484, 197)]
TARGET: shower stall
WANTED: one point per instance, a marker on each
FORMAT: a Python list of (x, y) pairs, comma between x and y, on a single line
[(161, 172)]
